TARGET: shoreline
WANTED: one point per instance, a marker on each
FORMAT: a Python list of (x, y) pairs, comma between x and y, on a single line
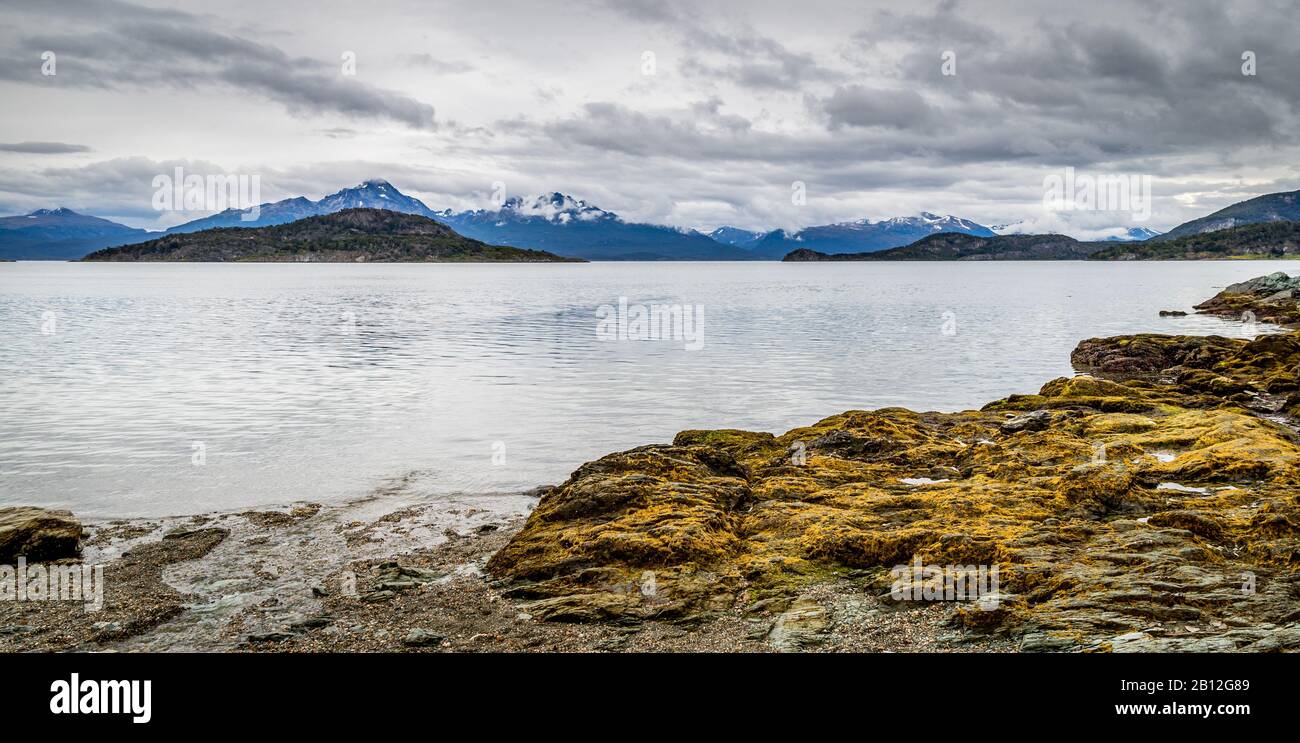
[(747, 551)]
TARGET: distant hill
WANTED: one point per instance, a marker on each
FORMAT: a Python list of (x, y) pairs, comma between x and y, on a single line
[(1262, 240), (1274, 207), (60, 234), (863, 236), (959, 247), (351, 236)]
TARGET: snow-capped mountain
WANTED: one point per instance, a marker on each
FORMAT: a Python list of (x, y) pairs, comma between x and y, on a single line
[(1133, 234), (863, 235), (554, 222), (61, 234), (735, 236), (372, 194), (574, 228)]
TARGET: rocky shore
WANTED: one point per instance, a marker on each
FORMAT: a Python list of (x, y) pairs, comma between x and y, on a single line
[(1151, 503)]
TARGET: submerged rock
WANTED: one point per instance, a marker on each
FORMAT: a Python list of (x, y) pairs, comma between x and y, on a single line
[(38, 534)]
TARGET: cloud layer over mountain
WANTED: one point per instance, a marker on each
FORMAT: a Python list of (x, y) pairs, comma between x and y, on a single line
[(670, 112)]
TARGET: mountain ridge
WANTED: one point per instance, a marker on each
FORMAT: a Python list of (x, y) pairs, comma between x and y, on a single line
[(1283, 206), (60, 234), (355, 235), (954, 246)]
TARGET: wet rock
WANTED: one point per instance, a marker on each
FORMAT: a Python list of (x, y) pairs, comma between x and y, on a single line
[(802, 626), (38, 534), (393, 577), (1041, 642), (1272, 298), (1035, 421), (316, 622), (422, 638), (269, 637), (1172, 313)]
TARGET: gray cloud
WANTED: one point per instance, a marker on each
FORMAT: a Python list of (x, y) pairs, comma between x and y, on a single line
[(184, 54), (856, 105), (430, 62), (43, 148), (850, 100)]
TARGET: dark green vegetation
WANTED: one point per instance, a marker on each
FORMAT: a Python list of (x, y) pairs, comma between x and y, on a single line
[(1261, 240), (1273, 207), (949, 246), (348, 236)]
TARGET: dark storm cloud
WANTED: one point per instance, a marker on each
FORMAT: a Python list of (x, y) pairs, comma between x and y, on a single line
[(43, 148), (183, 54)]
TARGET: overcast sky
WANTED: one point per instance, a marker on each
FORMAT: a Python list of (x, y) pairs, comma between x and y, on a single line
[(746, 98)]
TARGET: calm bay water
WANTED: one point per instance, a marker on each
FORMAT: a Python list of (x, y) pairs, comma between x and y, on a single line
[(150, 389)]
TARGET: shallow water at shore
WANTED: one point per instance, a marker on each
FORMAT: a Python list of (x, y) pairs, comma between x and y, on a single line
[(149, 390)]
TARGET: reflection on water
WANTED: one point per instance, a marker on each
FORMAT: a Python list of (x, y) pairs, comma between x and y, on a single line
[(163, 389)]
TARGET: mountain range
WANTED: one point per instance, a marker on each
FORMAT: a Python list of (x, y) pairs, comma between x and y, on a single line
[(1272, 239), (351, 235), (554, 222), (572, 227), (862, 236), (60, 234)]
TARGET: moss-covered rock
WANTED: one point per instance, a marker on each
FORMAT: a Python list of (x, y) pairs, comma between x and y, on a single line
[(38, 534), (1110, 506)]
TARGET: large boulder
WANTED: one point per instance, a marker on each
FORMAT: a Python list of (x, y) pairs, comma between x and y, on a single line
[(38, 534)]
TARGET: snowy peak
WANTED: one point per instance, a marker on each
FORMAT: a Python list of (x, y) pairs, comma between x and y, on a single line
[(931, 221), (372, 194), (59, 212), (735, 236), (865, 235), (1134, 234), (375, 193), (554, 207)]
